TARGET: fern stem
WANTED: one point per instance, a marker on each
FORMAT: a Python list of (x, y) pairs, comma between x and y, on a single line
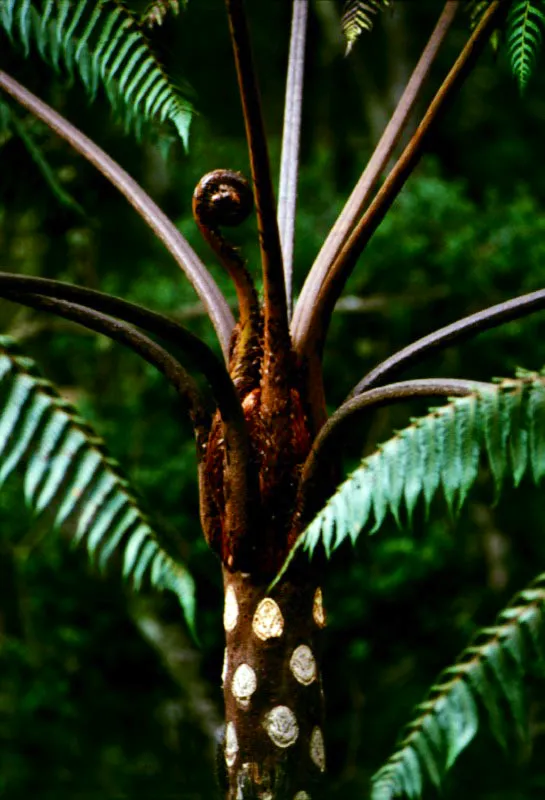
[(289, 161), (362, 191), (142, 345), (170, 331), (309, 341), (330, 436), (184, 255), (455, 333), (276, 339)]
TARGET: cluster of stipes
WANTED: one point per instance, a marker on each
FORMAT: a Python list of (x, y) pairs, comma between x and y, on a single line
[(254, 469), (273, 744)]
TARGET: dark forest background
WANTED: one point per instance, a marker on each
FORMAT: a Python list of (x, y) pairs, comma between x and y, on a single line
[(103, 694)]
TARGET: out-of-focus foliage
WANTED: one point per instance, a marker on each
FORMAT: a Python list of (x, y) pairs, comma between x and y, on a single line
[(86, 709)]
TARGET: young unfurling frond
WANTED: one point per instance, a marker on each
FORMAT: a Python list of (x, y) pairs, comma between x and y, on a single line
[(66, 470), (105, 43), (10, 124)]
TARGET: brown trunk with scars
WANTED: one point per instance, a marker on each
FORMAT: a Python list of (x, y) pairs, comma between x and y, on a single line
[(273, 747)]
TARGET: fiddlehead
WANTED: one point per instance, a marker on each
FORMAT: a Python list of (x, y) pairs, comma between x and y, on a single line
[(224, 198)]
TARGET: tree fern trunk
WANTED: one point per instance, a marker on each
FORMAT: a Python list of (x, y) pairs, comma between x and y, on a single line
[(273, 746)]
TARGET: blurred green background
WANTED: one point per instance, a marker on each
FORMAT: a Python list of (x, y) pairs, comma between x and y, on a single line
[(104, 695)]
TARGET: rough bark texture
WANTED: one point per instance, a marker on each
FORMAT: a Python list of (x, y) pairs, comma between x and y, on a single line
[(273, 746)]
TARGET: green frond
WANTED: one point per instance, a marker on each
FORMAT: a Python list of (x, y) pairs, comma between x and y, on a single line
[(488, 675), (106, 44), (67, 472), (524, 35), (440, 451), (358, 16)]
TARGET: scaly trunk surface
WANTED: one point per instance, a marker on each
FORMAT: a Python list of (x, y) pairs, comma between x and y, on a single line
[(273, 744)]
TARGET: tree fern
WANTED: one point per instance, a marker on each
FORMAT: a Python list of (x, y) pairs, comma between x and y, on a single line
[(525, 25), (358, 16), (489, 674), (107, 46), (440, 451), (66, 469)]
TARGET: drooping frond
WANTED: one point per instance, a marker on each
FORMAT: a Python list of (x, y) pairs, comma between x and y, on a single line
[(67, 471), (105, 43), (489, 674), (524, 35), (440, 451), (358, 16)]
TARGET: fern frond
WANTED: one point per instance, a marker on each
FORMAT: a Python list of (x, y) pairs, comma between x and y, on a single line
[(489, 674), (67, 471), (524, 34), (506, 423), (358, 16), (107, 46)]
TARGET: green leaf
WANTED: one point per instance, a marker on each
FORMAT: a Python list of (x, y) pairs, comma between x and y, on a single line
[(67, 472), (357, 17), (524, 36), (505, 423), (107, 46), (492, 671)]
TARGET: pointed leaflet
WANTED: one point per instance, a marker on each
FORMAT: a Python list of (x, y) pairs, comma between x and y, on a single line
[(466, 448), (496, 432), (430, 453), (415, 469), (518, 440), (461, 720), (66, 470), (536, 414)]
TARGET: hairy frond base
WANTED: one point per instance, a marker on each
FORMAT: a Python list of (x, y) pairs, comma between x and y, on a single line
[(10, 123)]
